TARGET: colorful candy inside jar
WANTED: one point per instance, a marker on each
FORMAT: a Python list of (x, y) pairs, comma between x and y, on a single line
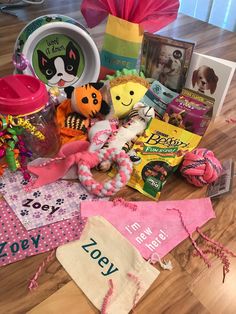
[(28, 115)]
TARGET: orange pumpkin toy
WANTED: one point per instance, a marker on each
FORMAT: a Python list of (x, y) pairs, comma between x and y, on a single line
[(74, 115)]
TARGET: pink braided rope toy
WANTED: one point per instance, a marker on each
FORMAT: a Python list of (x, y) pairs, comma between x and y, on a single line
[(56, 168), (200, 167), (112, 186)]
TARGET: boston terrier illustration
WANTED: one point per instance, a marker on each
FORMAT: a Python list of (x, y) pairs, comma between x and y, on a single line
[(60, 71)]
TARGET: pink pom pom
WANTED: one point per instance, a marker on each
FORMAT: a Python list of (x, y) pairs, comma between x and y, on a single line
[(200, 167)]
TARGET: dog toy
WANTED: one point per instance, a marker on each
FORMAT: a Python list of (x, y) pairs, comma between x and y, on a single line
[(122, 93), (55, 169), (100, 132), (74, 114), (127, 134), (123, 72), (200, 167)]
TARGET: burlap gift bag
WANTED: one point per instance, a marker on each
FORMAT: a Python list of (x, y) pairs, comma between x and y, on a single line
[(109, 270)]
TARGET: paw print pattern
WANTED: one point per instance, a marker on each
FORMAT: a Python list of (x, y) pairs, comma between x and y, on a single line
[(24, 212), (24, 182), (70, 194), (12, 179), (83, 196), (48, 197), (61, 211), (14, 197), (59, 201), (2, 185), (36, 194), (49, 217), (75, 213), (37, 215)]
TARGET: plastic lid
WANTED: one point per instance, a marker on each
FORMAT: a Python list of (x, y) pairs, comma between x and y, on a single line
[(22, 94)]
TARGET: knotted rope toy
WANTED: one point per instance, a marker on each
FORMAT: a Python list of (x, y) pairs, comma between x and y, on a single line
[(84, 160), (200, 167)]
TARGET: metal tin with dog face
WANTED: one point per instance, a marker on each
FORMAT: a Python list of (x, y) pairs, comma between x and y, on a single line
[(60, 51)]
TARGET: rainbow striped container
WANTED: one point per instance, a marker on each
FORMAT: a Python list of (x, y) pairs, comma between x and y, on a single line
[(121, 46)]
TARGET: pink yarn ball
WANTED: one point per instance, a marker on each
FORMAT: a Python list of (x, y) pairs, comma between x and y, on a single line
[(200, 167)]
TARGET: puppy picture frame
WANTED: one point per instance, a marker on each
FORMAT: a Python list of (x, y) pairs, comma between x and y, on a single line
[(166, 59), (211, 77)]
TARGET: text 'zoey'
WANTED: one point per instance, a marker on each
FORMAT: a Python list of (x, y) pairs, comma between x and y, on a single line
[(102, 261)]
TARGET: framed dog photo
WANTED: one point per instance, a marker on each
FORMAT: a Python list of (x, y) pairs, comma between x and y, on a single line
[(166, 60), (210, 76)]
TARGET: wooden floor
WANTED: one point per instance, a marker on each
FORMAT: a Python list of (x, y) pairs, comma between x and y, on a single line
[(191, 287)]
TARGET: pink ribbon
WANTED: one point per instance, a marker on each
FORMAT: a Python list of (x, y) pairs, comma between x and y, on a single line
[(2, 152), (74, 153)]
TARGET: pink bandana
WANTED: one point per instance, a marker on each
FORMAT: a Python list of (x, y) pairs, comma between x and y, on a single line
[(150, 226)]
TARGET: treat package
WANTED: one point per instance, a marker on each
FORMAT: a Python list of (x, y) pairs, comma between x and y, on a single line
[(158, 96), (191, 111), (157, 154)]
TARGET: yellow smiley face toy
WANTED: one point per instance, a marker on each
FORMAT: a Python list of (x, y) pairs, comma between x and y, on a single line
[(125, 92)]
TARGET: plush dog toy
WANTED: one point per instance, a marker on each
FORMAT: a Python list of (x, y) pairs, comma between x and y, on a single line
[(74, 114), (127, 134)]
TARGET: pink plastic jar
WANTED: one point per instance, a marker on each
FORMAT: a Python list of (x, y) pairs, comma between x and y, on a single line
[(26, 96)]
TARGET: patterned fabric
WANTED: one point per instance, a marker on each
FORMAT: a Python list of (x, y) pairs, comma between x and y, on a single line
[(45, 205), (16, 243)]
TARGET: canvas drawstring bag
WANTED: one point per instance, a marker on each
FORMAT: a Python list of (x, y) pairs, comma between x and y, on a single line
[(109, 270)]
